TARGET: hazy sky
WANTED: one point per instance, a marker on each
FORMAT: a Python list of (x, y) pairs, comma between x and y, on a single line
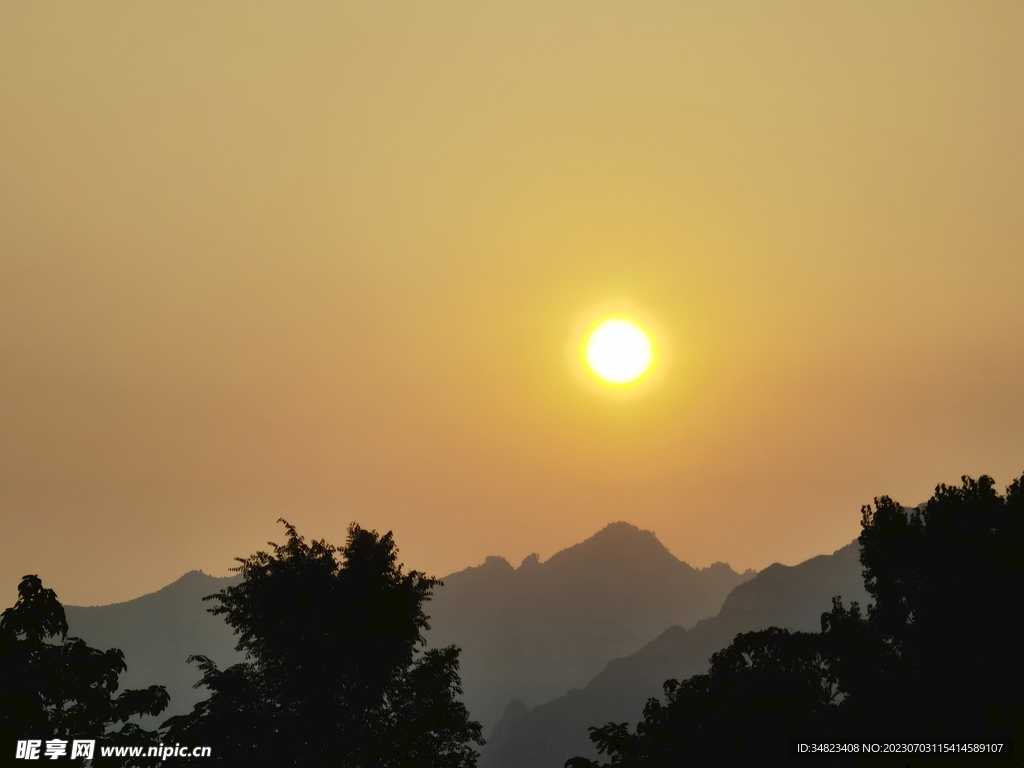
[(332, 262)]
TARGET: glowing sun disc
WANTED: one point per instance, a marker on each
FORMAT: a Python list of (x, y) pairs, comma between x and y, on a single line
[(618, 351)]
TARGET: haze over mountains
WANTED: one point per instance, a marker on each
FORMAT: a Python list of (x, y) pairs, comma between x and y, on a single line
[(533, 632), (158, 632), (791, 597), (527, 633), (614, 616)]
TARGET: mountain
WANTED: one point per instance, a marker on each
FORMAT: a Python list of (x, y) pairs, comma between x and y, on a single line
[(527, 633), (158, 632), (533, 632), (793, 597)]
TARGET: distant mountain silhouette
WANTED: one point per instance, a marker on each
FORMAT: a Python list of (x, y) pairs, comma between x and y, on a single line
[(791, 597), (533, 632), (527, 633), (158, 632)]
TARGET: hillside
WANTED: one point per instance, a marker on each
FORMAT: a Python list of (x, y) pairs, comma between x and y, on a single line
[(793, 597), (527, 633), (533, 632), (158, 632)]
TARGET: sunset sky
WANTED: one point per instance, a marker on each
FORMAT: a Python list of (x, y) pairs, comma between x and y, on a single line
[(335, 262)]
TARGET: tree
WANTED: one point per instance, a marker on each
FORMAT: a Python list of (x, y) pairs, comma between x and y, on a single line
[(334, 673), (763, 685), (56, 687), (947, 580)]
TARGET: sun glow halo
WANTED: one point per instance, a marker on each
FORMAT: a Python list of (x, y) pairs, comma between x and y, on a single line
[(618, 351)]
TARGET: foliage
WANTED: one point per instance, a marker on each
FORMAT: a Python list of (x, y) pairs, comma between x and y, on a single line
[(334, 672), (937, 653), (947, 581), (56, 687), (759, 686)]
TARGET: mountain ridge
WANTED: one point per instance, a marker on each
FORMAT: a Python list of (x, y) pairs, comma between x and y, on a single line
[(532, 632), (158, 631), (793, 597), (529, 632)]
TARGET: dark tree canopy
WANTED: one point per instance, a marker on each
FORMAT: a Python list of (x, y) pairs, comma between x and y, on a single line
[(938, 654), (763, 684), (947, 580), (57, 687), (335, 673)]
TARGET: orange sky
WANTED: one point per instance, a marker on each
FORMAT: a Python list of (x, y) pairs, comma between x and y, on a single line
[(329, 261)]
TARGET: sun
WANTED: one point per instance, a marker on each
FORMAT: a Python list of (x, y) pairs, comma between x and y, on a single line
[(618, 351)]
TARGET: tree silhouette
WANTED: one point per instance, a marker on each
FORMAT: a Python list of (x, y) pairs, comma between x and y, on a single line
[(763, 684), (334, 671), (936, 656), (56, 687), (947, 580)]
